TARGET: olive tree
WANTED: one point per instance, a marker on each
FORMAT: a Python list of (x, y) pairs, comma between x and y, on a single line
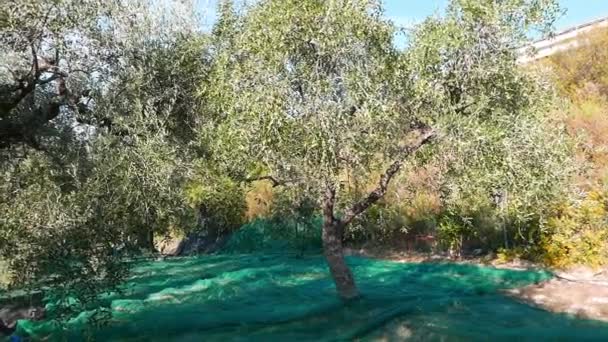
[(96, 104), (502, 151), (307, 91), (59, 57)]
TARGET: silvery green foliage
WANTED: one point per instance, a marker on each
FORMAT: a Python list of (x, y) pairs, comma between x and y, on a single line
[(58, 55), (498, 135), (308, 89), (81, 188), (313, 91)]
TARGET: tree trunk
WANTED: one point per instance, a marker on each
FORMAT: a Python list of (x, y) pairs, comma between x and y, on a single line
[(145, 239), (333, 229), (333, 251)]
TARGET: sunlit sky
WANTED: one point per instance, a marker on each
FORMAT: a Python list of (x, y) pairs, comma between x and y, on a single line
[(409, 12)]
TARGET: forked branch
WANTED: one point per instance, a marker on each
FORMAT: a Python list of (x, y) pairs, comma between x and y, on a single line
[(425, 136)]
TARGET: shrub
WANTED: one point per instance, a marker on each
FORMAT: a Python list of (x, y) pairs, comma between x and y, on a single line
[(382, 223), (452, 231), (259, 200), (285, 220), (505, 255), (577, 233), (579, 70), (58, 239), (410, 207), (219, 200)]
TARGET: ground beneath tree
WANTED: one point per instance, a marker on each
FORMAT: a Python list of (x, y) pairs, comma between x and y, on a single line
[(581, 291), (288, 298)]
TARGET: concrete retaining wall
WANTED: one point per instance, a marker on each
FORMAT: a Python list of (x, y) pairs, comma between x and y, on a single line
[(564, 40)]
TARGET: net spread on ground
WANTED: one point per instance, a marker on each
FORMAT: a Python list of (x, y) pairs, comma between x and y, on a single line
[(289, 298)]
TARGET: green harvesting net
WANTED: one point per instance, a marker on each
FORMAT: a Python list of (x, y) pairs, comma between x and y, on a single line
[(296, 237), (281, 298)]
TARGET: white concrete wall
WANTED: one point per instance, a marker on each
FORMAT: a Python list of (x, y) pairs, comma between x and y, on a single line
[(564, 40)]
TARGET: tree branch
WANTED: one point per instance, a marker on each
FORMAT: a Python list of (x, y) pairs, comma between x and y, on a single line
[(275, 182), (27, 84), (329, 200), (35, 66), (56, 75), (426, 135)]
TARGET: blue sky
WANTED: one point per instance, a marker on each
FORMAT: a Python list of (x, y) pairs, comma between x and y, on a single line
[(580, 11), (408, 12)]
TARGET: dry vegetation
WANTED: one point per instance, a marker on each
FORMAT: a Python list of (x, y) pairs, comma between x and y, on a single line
[(581, 76)]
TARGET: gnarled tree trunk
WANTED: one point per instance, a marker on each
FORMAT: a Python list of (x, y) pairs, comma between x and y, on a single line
[(333, 251)]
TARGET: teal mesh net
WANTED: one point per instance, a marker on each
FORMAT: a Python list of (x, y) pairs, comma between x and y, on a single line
[(301, 236), (255, 297)]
